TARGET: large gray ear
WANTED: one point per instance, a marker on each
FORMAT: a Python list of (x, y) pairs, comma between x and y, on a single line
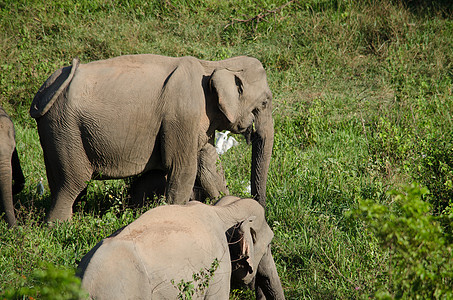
[(241, 240), (228, 87), (247, 242)]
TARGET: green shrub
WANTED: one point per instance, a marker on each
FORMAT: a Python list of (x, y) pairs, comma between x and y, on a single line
[(420, 264), (435, 170), (49, 283)]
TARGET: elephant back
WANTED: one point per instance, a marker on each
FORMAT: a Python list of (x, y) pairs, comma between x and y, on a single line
[(3, 112), (49, 92)]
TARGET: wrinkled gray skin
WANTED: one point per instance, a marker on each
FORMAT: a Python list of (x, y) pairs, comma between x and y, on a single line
[(173, 242), (131, 114), (11, 177)]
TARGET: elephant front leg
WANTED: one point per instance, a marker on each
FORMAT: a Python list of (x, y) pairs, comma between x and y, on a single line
[(62, 202), (181, 174), (210, 173), (147, 186), (180, 184), (64, 189)]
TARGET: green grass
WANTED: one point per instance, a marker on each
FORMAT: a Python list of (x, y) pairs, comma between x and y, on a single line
[(363, 105)]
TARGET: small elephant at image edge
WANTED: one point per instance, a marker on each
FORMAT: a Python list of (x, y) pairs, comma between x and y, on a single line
[(11, 177), (207, 246), (131, 114)]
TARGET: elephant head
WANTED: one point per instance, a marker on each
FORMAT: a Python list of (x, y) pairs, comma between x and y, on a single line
[(249, 242), (244, 98)]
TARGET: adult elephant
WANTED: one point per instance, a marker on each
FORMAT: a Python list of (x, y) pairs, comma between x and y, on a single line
[(172, 246), (11, 177), (127, 115)]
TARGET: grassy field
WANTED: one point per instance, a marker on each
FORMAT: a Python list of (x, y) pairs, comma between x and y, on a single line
[(361, 179)]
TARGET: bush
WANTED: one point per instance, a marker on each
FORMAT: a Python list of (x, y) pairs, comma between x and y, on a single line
[(420, 248), (435, 170), (50, 283)]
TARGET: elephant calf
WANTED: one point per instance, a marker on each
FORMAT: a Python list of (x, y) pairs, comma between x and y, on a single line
[(175, 245), (11, 177)]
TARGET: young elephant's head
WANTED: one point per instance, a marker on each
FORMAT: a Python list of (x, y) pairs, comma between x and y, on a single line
[(249, 237), (248, 242)]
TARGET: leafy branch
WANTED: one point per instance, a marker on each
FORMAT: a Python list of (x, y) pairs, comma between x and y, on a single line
[(199, 284)]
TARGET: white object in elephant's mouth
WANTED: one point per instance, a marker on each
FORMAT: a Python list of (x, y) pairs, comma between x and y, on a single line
[(223, 142)]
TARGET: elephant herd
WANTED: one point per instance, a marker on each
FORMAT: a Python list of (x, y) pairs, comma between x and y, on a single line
[(154, 118)]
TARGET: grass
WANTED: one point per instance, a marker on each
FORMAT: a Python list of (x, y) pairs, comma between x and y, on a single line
[(362, 105)]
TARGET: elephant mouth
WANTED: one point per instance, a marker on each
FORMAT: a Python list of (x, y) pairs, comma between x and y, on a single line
[(241, 264), (246, 126), (242, 271), (248, 132), (242, 130), (245, 131)]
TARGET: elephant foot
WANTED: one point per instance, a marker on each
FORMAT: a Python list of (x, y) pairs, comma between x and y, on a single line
[(56, 215)]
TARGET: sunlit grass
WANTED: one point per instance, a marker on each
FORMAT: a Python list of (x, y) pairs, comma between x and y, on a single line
[(362, 105)]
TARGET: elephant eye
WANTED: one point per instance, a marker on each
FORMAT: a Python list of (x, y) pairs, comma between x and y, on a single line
[(264, 103)]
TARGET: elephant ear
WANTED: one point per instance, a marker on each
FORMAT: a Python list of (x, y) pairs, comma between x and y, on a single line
[(241, 239), (229, 87)]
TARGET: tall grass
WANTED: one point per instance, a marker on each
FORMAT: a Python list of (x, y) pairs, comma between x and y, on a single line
[(362, 105)]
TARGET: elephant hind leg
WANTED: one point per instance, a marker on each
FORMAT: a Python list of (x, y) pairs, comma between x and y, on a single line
[(62, 201), (64, 187)]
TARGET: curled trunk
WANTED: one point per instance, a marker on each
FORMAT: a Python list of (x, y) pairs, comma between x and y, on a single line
[(6, 192), (267, 283)]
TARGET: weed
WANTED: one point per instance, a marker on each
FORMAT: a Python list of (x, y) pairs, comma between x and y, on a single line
[(187, 289), (49, 283)]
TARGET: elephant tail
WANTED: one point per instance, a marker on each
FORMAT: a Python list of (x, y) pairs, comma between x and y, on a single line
[(49, 92)]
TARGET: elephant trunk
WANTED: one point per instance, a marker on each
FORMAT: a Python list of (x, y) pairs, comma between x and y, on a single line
[(267, 282), (262, 142), (6, 192)]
